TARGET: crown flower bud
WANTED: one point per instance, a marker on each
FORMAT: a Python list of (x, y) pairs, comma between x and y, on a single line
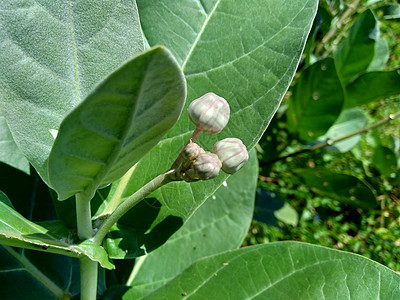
[(209, 113), (191, 151), (206, 166), (232, 153)]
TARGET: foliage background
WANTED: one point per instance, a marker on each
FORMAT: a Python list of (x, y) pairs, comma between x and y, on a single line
[(289, 209)]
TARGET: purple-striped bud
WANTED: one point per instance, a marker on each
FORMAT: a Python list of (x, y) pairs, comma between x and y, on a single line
[(232, 153), (209, 113), (206, 166), (191, 151)]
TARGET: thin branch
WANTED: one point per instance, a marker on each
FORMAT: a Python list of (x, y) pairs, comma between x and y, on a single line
[(330, 142), (331, 33)]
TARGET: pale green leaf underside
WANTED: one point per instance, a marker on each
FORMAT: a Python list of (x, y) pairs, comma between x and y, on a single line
[(9, 152), (52, 54), (204, 234), (117, 124), (350, 120), (17, 231), (283, 270), (244, 51)]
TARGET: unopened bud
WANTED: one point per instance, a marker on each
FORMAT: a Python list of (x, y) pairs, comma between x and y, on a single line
[(209, 113), (232, 153), (206, 166), (191, 151)]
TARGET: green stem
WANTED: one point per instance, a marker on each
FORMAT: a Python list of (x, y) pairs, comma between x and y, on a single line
[(38, 275), (88, 268), (88, 271), (138, 196)]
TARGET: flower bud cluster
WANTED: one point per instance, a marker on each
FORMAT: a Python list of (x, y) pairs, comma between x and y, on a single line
[(210, 113)]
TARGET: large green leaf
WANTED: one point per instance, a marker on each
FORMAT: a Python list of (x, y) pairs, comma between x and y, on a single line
[(245, 51), (356, 52), (52, 54), (316, 101), (9, 152), (117, 124), (372, 86), (346, 188), (50, 237), (204, 234), (385, 160), (349, 121), (283, 270), (26, 274)]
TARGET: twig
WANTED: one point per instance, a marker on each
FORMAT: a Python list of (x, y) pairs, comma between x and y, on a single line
[(330, 142), (331, 33)]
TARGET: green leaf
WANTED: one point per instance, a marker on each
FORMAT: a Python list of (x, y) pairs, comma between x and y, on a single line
[(52, 54), (316, 101), (50, 236), (25, 274), (381, 56), (236, 49), (346, 188), (117, 124), (270, 207), (283, 270), (389, 11), (204, 234), (372, 86), (384, 160), (356, 52), (9, 152), (349, 121)]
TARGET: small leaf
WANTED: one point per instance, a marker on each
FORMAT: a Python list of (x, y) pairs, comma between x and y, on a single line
[(356, 52), (53, 53), (349, 121), (381, 56), (50, 236), (9, 152), (372, 86), (204, 234), (346, 188), (283, 270), (384, 160), (316, 101), (270, 207), (117, 124), (26, 274)]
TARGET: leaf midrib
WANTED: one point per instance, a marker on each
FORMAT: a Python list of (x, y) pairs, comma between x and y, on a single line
[(199, 34), (76, 83)]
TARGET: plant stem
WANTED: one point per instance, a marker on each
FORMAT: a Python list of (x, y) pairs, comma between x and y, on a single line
[(331, 142), (138, 196), (83, 217), (38, 275), (88, 272), (88, 268)]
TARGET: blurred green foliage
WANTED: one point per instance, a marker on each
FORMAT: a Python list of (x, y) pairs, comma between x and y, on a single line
[(342, 31)]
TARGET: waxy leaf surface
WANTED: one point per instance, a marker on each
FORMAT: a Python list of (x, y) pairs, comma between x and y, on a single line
[(244, 51), (9, 152), (118, 123), (283, 270), (52, 54)]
